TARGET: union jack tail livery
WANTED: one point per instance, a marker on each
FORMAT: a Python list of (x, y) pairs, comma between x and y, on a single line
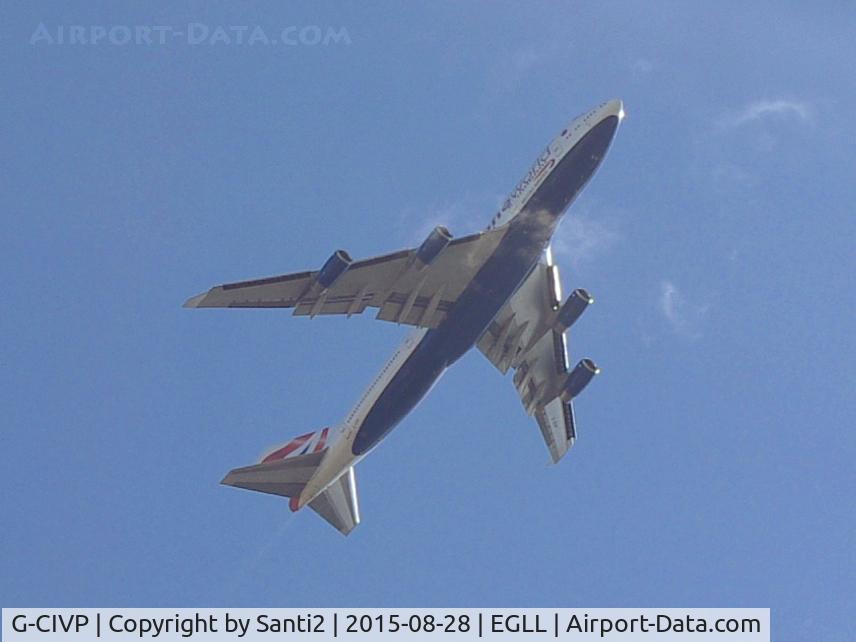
[(311, 442)]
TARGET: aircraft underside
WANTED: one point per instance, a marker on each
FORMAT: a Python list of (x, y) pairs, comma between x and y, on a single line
[(498, 290)]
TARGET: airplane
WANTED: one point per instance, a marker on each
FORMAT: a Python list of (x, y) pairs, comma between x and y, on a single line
[(497, 290)]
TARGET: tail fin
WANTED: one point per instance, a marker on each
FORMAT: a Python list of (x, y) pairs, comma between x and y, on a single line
[(311, 442), (285, 471)]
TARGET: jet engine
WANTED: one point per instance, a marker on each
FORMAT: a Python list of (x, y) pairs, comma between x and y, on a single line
[(431, 247), (578, 378), (572, 309), (335, 267)]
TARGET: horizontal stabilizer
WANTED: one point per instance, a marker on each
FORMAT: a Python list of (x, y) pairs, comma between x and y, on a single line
[(338, 504), (285, 469), (285, 477)]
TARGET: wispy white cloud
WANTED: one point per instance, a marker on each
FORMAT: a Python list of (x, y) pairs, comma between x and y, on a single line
[(465, 215), (763, 109), (728, 174), (642, 66), (682, 316), (668, 305), (582, 238), (514, 68), (730, 179)]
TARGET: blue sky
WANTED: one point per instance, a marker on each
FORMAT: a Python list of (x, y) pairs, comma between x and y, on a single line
[(715, 459)]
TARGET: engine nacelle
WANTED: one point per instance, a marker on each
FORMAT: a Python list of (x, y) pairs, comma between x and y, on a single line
[(578, 379), (572, 309), (431, 247), (334, 268)]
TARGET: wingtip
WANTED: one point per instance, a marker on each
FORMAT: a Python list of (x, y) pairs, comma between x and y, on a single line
[(194, 301), (556, 456)]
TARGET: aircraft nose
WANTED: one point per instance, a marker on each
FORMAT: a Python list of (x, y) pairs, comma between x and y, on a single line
[(614, 107)]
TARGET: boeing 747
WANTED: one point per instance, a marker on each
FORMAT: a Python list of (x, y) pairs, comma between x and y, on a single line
[(497, 290)]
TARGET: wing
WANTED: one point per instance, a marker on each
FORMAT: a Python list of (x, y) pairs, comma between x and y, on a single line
[(415, 287), (528, 335)]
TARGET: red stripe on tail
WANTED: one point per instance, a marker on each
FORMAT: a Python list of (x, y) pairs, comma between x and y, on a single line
[(322, 441), (288, 448)]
